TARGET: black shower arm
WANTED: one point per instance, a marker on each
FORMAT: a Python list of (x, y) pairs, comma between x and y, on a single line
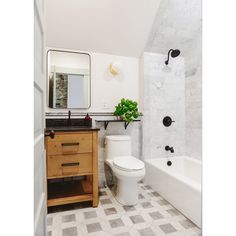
[(168, 56)]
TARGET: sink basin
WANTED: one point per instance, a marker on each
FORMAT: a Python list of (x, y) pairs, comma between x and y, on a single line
[(64, 123)]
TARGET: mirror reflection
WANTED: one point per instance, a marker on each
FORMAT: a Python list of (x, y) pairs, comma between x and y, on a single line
[(68, 79)]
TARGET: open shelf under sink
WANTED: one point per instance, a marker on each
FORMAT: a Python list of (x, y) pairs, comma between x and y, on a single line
[(69, 191)]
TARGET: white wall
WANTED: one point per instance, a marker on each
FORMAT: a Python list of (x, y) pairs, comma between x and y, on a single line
[(107, 90)]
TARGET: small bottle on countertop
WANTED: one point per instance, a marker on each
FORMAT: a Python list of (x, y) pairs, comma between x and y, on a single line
[(88, 120)]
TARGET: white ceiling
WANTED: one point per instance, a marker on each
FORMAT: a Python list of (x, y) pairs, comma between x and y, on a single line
[(118, 27)]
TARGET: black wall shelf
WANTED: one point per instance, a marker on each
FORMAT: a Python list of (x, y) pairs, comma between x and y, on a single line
[(106, 122)]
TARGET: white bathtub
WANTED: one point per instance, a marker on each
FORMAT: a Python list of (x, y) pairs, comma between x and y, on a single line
[(180, 183)]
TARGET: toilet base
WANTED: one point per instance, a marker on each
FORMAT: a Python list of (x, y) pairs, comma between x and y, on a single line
[(127, 192), (126, 185)]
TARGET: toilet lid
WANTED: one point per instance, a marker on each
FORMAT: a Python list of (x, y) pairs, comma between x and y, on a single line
[(128, 163)]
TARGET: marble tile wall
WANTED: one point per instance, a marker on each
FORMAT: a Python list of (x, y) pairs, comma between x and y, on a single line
[(193, 101), (164, 94), (178, 24)]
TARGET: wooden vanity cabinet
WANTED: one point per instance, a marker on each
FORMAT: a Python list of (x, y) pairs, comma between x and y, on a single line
[(72, 154)]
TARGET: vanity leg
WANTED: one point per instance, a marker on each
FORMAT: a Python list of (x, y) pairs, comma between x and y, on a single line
[(95, 190), (95, 169)]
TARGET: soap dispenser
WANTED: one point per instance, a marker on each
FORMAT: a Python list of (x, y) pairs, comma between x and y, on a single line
[(88, 120)]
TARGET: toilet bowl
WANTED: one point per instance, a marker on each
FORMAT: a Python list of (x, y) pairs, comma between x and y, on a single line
[(127, 169)]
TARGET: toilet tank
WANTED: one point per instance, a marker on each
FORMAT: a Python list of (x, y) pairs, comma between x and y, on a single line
[(117, 145)]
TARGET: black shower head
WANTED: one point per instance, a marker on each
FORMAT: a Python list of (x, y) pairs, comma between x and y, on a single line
[(173, 53)]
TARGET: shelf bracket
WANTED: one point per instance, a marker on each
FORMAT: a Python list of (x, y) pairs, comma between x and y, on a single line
[(106, 124), (126, 124)]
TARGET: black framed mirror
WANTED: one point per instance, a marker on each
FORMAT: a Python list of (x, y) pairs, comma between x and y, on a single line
[(68, 79)]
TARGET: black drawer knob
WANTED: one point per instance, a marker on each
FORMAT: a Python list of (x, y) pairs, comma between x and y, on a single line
[(51, 134)]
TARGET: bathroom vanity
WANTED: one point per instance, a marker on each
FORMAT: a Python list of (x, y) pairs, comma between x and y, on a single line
[(72, 164), (71, 144)]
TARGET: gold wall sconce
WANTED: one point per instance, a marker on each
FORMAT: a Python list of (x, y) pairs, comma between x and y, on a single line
[(114, 68)]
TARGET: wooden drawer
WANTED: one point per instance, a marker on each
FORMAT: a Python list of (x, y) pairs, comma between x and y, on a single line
[(70, 144), (69, 165)]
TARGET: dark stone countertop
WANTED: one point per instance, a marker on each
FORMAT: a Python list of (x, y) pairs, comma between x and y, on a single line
[(71, 128)]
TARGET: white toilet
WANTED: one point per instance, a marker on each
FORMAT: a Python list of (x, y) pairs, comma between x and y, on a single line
[(127, 169)]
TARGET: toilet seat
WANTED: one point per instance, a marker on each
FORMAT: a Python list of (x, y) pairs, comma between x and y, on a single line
[(128, 163)]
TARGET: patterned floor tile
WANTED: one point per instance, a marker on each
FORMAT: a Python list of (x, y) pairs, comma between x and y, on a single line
[(94, 227), (167, 228), (49, 221), (90, 214), (173, 212), (152, 215), (137, 219), (123, 234), (156, 215), (68, 218), (146, 205), (140, 196), (69, 231), (129, 208), (156, 194), (116, 223), (187, 224), (147, 187), (110, 211), (162, 202), (146, 232), (105, 201)]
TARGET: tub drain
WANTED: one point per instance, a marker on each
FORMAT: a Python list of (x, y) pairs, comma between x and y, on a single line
[(169, 163)]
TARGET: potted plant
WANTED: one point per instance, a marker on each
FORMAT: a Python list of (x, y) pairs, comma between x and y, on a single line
[(127, 110)]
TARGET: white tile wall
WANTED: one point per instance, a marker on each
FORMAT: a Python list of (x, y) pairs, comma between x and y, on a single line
[(178, 25), (164, 94), (175, 91), (193, 94)]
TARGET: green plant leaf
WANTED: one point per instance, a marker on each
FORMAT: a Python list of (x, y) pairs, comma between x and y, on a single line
[(128, 109)]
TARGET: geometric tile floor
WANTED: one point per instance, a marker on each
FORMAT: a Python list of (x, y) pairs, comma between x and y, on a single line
[(152, 216)]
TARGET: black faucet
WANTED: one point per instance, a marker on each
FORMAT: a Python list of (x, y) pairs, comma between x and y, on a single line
[(69, 120), (168, 148)]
